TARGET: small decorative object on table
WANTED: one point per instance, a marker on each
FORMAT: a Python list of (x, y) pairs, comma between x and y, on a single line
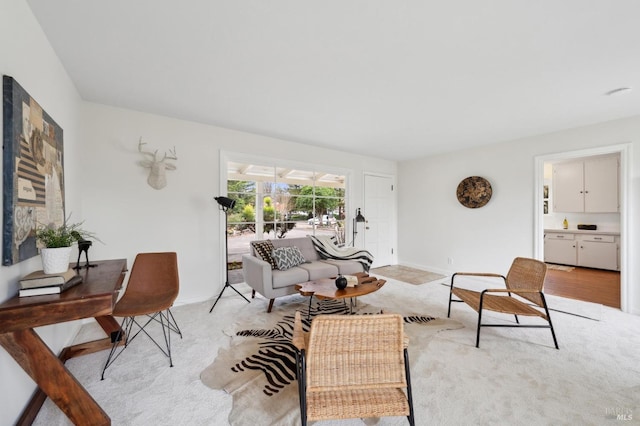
[(341, 282), (83, 246), (56, 245)]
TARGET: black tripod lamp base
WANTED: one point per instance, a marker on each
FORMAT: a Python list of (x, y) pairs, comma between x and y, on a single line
[(222, 291)]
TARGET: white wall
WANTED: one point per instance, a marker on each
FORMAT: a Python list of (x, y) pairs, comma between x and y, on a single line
[(25, 54), (131, 217), (433, 226)]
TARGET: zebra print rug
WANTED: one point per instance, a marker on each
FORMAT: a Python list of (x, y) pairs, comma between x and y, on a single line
[(258, 369)]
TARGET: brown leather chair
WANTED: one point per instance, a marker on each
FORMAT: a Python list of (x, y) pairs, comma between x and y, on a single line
[(152, 288)]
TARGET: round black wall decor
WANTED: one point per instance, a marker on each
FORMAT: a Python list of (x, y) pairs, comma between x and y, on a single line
[(474, 192)]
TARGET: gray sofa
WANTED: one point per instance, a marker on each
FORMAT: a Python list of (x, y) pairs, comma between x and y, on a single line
[(272, 283)]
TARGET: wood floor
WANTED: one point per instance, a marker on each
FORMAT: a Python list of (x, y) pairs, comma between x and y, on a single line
[(591, 285)]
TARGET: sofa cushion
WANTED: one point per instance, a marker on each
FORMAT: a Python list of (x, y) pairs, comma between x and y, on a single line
[(264, 249), (318, 270), (287, 257), (288, 278), (304, 244), (345, 267)]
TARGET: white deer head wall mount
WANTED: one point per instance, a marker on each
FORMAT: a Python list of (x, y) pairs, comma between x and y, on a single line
[(158, 167)]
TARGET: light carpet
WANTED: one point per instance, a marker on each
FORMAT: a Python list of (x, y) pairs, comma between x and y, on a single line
[(516, 377), (407, 274), (258, 367)]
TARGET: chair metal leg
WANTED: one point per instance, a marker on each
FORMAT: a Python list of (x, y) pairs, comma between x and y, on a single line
[(411, 416), (302, 386), (478, 331), (166, 332), (166, 321), (116, 337), (479, 319), (174, 324), (546, 311)]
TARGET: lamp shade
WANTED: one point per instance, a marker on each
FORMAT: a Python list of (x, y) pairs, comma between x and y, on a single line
[(225, 202)]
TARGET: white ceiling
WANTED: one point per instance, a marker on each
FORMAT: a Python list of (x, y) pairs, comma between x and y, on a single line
[(388, 78)]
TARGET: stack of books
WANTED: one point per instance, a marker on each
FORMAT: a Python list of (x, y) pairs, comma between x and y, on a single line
[(38, 283)]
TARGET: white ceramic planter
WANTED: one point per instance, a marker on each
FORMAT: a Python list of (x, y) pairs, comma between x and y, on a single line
[(55, 260)]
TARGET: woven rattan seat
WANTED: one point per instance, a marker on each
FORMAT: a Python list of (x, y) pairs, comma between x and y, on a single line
[(523, 295), (353, 366)]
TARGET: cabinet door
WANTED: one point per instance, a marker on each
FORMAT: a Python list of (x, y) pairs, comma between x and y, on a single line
[(568, 187), (599, 255), (560, 251), (601, 185)]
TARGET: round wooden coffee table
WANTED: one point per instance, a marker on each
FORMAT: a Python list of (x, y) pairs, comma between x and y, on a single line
[(325, 288)]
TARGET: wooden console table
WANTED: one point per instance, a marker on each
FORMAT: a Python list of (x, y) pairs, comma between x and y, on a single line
[(95, 297)]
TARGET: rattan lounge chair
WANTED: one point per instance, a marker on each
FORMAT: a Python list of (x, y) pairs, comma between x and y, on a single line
[(524, 284), (353, 366)]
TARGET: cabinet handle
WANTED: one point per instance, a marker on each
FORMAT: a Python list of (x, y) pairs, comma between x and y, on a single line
[(559, 236), (597, 238), (581, 192), (586, 192)]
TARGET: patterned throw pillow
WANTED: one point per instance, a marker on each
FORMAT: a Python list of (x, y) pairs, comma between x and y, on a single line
[(287, 257), (264, 249)]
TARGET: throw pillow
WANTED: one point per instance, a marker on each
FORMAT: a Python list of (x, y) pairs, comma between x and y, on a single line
[(264, 249), (287, 257)]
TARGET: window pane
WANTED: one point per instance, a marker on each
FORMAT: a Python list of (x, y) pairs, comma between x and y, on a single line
[(279, 202)]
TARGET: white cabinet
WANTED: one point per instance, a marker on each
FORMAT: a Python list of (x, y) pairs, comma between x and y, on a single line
[(598, 251), (560, 248), (568, 187), (579, 249), (589, 185)]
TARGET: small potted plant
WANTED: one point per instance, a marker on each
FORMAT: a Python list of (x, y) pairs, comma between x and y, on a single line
[(56, 242)]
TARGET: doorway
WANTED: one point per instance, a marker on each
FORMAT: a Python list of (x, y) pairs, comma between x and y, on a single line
[(542, 222), (379, 214)]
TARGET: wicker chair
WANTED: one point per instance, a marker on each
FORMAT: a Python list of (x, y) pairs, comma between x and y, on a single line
[(353, 366), (152, 288), (525, 279)]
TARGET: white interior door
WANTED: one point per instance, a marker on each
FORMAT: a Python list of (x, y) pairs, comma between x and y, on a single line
[(378, 212)]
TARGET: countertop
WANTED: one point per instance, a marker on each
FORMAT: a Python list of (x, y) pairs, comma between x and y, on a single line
[(582, 231)]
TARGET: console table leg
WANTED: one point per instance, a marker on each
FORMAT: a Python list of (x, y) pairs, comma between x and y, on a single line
[(37, 360)]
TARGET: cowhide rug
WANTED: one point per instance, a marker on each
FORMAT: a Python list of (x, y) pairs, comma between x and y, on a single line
[(258, 369)]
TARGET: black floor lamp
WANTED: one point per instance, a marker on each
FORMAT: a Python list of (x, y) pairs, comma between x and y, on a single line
[(225, 205), (358, 219)]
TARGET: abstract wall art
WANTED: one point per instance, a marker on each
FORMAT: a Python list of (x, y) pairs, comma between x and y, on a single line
[(33, 172)]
